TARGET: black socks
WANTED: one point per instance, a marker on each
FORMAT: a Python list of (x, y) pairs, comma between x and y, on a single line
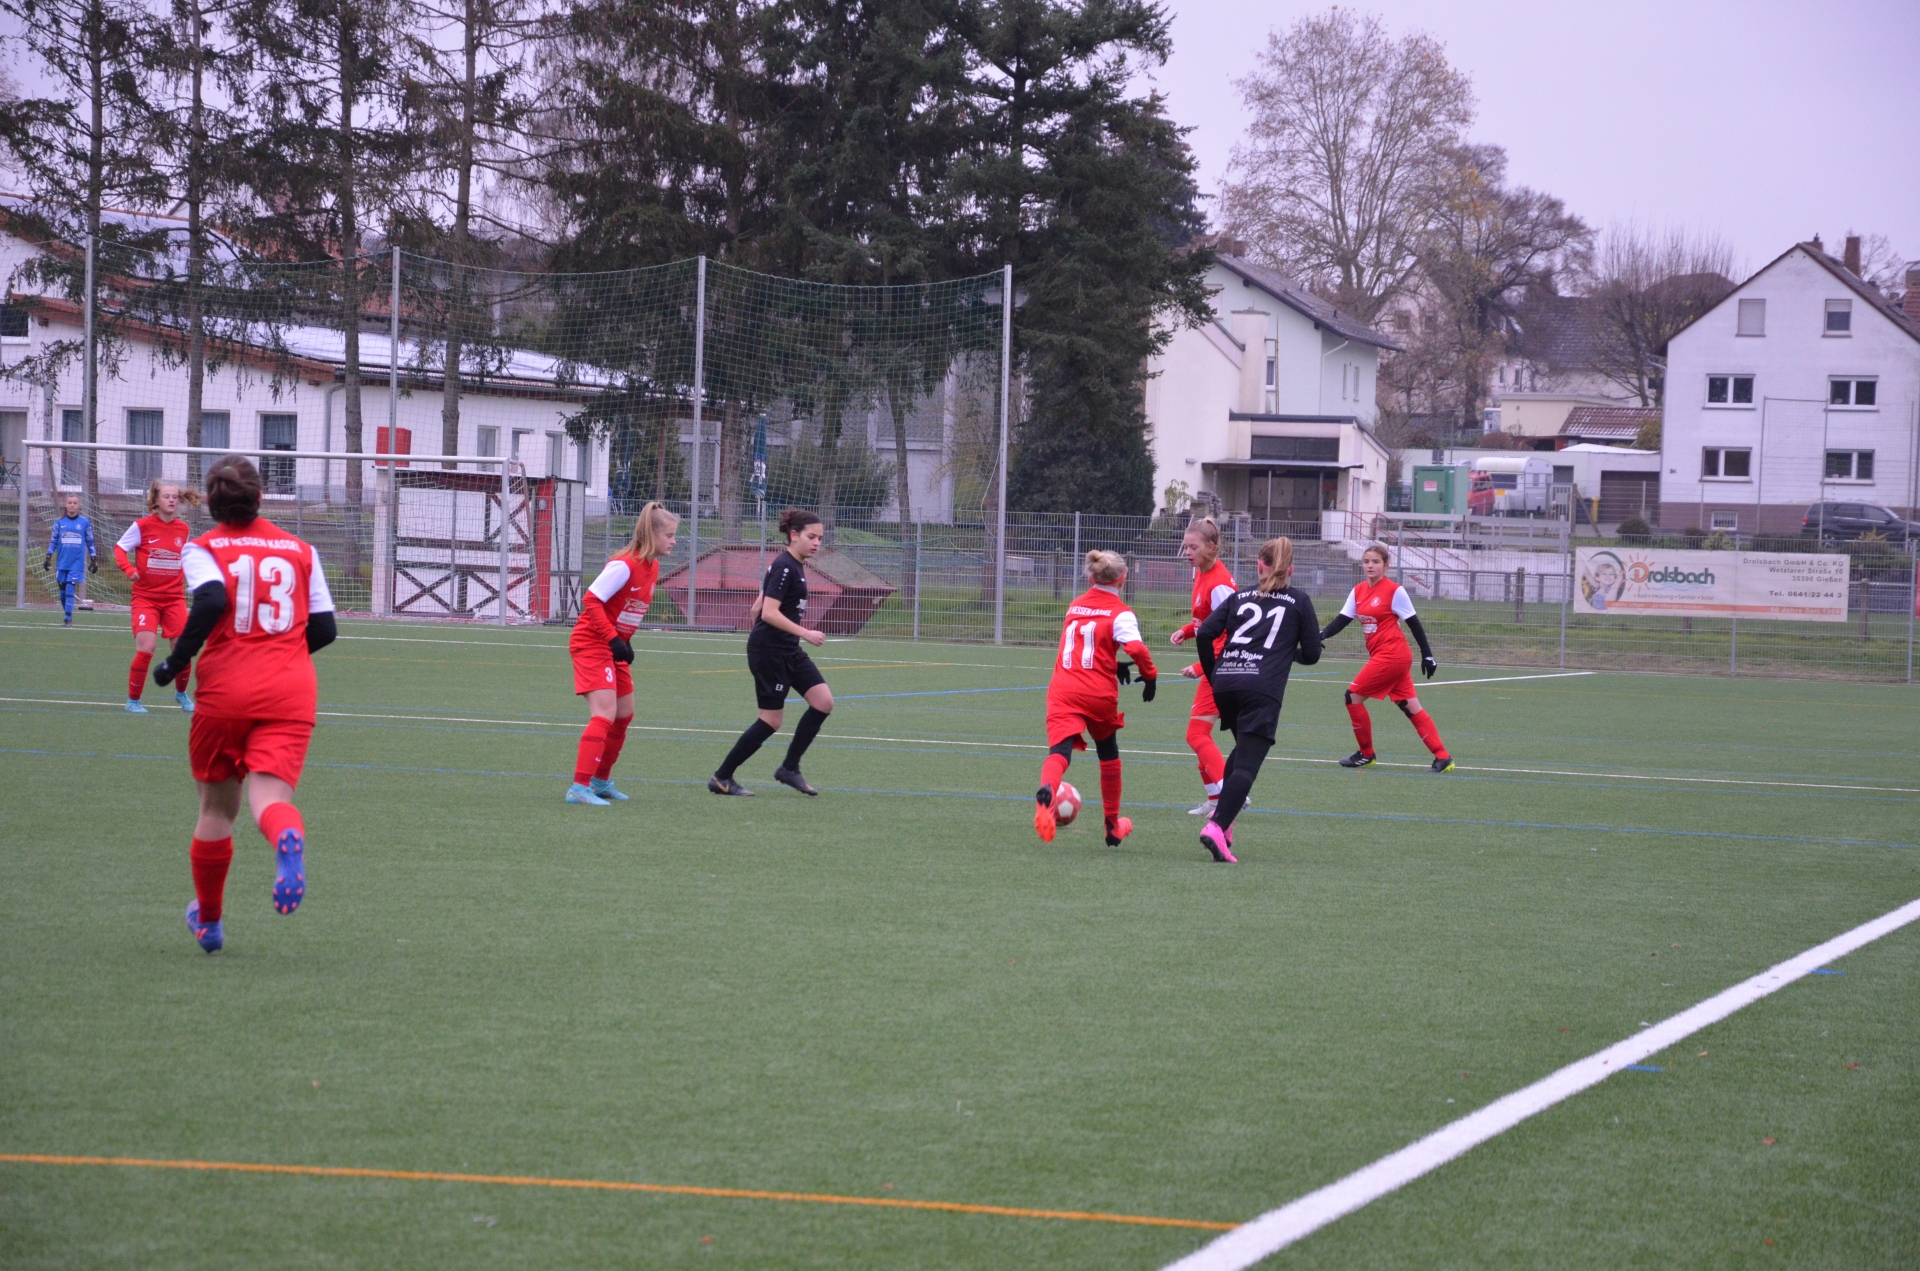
[(803, 735), (750, 741), (1243, 765)]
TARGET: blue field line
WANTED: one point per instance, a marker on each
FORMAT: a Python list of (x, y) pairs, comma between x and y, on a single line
[(1021, 798)]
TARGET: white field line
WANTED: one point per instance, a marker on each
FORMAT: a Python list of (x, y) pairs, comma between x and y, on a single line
[(1278, 1228), (568, 725), (1502, 679)]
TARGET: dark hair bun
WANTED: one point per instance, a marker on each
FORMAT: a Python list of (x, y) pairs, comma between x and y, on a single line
[(793, 520), (233, 490)]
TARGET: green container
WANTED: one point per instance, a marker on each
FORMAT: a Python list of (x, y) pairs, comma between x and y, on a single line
[(1441, 489)]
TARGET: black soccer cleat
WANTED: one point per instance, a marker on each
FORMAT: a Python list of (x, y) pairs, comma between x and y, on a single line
[(1358, 759), (1441, 765), (727, 785), (792, 777)]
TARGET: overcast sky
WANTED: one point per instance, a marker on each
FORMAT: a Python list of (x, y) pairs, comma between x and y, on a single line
[(1762, 120)]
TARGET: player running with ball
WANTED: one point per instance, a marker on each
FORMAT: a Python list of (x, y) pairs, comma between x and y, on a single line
[(261, 608), (610, 612), (1381, 605), (1261, 634), (1083, 698), (149, 554), (1212, 584)]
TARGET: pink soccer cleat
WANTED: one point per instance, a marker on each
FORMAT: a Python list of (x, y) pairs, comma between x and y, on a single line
[(1219, 842)]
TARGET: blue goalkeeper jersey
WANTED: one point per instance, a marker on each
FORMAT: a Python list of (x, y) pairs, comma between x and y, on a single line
[(72, 544)]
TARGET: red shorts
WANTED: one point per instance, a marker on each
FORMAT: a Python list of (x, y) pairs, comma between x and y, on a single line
[(229, 749), (1203, 703), (1387, 677), (1066, 719), (597, 670), (167, 617)]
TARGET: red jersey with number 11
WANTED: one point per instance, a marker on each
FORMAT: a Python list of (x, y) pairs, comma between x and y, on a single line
[(255, 664), (1098, 626)]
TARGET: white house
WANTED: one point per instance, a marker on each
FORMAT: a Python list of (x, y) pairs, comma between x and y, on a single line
[(1270, 406), (1802, 386)]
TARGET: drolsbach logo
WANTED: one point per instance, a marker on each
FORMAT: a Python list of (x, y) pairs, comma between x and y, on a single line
[(1667, 576)]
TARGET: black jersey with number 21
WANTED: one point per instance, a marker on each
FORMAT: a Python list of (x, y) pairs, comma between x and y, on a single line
[(1266, 633), (785, 585)]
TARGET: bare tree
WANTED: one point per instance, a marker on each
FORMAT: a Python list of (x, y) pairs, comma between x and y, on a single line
[(1881, 266), (1649, 284), (1338, 180)]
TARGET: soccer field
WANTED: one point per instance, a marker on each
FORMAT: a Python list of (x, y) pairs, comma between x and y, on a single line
[(894, 992)]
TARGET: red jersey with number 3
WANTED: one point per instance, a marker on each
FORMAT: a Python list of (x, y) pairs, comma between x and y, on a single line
[(1378, 608), (255, 664), (1098, 625), (151, 547)]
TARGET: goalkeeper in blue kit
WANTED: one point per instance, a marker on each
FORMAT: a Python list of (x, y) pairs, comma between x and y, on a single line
[(71, 553)]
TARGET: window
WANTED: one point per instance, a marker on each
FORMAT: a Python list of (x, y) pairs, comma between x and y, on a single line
[(1839, 317), (13, 322), (1719, 464), (216, 429), (144, 428), (1273, 367), (556, 454), (1853, 392), (1753, 318), (1726, 519), (1311, 449), (519, 435), (489, 442), (278, 432), (73, 463), (1729, 390), (1849, 465)]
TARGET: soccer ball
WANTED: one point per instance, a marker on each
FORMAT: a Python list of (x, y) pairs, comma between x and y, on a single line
[(1066, 804)]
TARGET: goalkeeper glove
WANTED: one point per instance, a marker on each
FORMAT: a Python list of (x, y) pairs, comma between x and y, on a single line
[(622, 651), (1147, 685), (47, 564), (1428, 666), (1123, 671), (163, 672), (93, 564)]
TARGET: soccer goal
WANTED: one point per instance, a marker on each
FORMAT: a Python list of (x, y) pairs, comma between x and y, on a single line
[(468, 537)]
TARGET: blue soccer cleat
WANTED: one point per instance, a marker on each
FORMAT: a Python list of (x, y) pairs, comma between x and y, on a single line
[(207, 933), (577, 793), (185, 702), (134, 707), (290, 871), (604, 787)]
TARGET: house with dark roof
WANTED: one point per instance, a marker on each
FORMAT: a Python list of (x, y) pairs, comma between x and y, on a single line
[(1605, 425), (1269, 406), (1801, 387)]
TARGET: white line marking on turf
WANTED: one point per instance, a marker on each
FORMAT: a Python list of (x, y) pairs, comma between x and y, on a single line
[(1278, 1228), (1502, 679), (568, 725)]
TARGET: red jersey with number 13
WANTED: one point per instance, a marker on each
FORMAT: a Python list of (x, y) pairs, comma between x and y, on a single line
[(1098, 626), (255, 664)]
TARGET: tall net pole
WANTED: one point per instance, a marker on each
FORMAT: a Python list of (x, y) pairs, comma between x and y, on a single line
[(699, 385), (89, 374), (393, 360), (1000, 528)]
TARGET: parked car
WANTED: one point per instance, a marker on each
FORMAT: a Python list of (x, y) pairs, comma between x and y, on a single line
[(1851, 520)]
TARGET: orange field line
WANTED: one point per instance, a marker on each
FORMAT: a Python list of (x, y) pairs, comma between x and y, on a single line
[(589, 1184)]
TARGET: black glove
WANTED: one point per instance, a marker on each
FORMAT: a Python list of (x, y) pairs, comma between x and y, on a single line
[(622, 651), (1428, 666), (1147, 686), (163, 672), (47, 564), (1123, 672), (93, 564)]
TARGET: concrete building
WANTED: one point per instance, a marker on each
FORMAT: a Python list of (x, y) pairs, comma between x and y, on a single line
[(1270, 406), (1802, 386)]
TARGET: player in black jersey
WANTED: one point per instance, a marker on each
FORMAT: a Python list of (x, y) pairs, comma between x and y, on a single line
[(779, 664), (1273, 626)]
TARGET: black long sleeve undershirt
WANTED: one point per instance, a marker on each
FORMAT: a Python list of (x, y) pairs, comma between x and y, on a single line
[(209, 603), (323, 631), (1334, 628), (1420, 634)]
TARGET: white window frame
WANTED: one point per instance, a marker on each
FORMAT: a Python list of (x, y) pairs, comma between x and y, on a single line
[(1827, 312), (1853, 392), (556, 454), (225, 415), (1731, 377), (1720, 454), (1724, 519), (486, 441), (1853, 468), (515, 437), (1756, 307)]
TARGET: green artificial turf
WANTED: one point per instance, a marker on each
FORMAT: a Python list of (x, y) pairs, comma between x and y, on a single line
[(896, 991)]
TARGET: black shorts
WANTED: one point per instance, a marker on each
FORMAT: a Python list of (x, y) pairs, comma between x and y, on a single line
[(1248, 714), (778, 671)]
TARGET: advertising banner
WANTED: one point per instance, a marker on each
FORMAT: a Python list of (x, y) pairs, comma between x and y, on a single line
[(1784, 586)]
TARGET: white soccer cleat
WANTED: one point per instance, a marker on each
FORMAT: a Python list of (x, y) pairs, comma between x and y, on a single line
[(1205, 809)]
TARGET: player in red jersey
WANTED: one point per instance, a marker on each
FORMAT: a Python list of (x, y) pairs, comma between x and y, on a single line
[(1083, 697), (1212, 585), (149, 554), (610, 612), (1380, 605), (261, 608)]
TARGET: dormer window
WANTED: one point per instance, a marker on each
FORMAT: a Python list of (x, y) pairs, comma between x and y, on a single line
[(1839, 317)]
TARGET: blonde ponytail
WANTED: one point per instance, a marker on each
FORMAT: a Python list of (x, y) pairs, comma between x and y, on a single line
[(653, 524), (1276, 564)]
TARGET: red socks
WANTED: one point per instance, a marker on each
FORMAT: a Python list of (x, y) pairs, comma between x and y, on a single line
[(1052, 770), (137, 677), (593, 744), (1110, 787), (616, 738), (277, 819), (210, 858), (1423, 724), (1213, 765), (1362, 726)]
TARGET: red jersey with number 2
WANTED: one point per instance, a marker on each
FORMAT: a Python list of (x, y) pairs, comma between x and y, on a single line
[(255, 664), (151, 549), (1378, 608)]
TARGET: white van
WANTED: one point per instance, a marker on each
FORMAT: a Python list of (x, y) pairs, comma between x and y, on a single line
[(1510, 485)]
